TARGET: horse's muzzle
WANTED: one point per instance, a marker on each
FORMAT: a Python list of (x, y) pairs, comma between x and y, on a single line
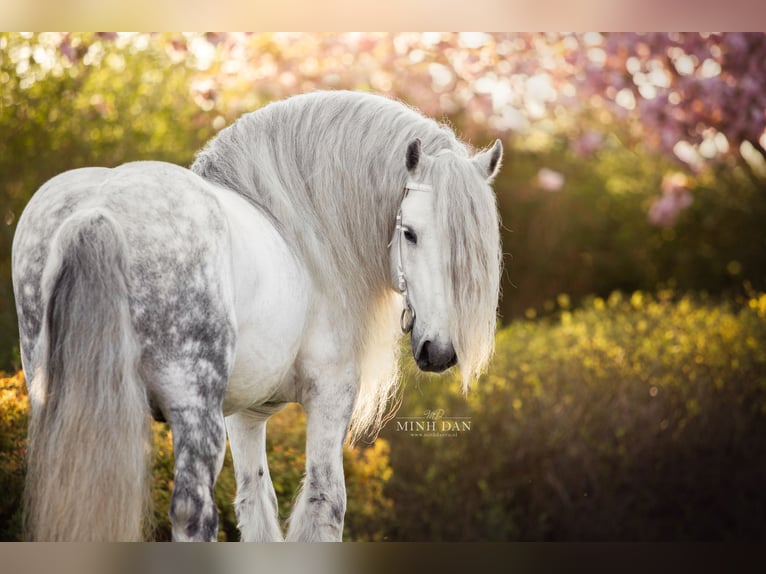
[(434, 358)]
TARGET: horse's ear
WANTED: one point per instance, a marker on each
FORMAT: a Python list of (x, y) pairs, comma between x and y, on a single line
[(488, 161), (413, 155)]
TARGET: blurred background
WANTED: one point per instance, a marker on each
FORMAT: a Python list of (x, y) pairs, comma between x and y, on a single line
[(627, 398)]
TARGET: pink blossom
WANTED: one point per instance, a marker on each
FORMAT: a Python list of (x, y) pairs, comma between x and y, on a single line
[(179, 45), (205, 93), (215, 38), (673, 183), (587, 144), (550, 180), (67, 50), (675, 198)]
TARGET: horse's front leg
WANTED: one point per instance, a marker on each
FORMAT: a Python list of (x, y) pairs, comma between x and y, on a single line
[(321, 505), (256, 503)]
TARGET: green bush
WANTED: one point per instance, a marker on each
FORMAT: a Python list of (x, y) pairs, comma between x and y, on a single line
[(635, 417), (593, 237), (632, 418), (14, 406)]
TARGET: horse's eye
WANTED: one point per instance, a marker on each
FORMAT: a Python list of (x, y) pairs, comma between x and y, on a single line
[(410, 236)]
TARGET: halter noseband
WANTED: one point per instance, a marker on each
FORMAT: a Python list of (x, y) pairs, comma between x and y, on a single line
[(408, 313)]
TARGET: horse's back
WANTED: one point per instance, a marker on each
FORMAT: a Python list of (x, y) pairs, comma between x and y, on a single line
[(134, 193)]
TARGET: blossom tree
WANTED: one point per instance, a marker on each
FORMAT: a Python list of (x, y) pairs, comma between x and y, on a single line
[(698, 98)]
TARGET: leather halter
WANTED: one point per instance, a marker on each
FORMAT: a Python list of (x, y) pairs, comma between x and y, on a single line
[(407, 319)]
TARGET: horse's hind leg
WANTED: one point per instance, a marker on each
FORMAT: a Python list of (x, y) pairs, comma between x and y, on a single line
[(199, 444), (256, 503)]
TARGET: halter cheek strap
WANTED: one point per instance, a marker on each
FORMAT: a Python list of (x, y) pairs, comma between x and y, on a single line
[(407, 319), (417, 186)]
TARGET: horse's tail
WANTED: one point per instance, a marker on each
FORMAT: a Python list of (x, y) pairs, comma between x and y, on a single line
[(89, 432)]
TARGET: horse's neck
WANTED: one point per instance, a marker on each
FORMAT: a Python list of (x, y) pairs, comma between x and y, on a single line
[(337, 200), (342, 232)]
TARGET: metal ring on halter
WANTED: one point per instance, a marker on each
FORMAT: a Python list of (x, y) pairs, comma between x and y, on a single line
[(407, 320)]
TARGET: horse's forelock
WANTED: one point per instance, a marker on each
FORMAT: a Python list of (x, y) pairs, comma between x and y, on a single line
[(466, 209)]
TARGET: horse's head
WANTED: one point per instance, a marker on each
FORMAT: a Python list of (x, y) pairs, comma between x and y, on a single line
[(445, 258)]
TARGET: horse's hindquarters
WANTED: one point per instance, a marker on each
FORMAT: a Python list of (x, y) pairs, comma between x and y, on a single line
[(176, 296)]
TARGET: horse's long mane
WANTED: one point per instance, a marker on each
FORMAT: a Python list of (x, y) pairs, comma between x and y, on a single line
[(330, 168)]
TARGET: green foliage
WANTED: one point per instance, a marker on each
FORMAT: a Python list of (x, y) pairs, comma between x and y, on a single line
[(14, 406), (593, 236), (632, 418)]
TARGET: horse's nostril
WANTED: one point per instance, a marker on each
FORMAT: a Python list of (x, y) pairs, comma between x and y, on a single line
[(424, 350)]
